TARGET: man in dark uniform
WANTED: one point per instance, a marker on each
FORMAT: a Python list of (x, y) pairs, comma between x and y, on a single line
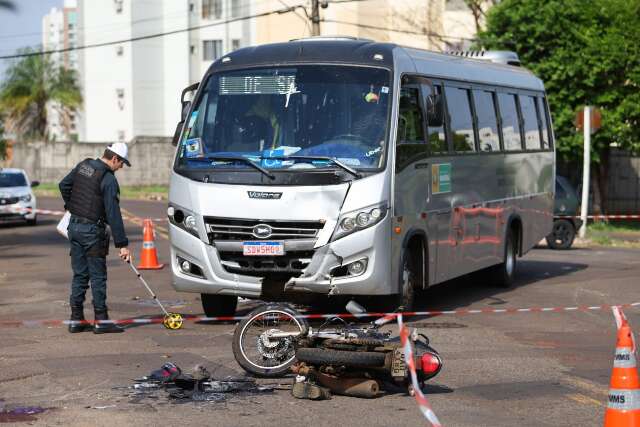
[(92, 195)]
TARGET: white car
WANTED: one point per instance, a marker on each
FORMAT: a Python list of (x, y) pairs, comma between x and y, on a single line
[(17, 200)]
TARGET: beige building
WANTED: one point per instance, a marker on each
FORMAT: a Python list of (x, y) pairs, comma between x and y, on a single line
[(416, 23)]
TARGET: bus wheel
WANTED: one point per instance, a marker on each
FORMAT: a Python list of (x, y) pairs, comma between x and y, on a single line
[(219, 305), (407, 286), (503, 274)]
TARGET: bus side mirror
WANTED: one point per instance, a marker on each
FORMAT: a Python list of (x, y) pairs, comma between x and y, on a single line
[(186, 106), (435, 110)]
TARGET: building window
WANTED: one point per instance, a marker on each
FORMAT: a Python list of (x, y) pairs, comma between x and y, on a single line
[(192, 49), (211, 50), (118, 5), (119, 50), (120, 98), (191, 7), (211, 9), (121, 135), (235, 8), (235, 44)]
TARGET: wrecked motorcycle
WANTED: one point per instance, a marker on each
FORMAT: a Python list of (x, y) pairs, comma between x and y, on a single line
[(274, 339)]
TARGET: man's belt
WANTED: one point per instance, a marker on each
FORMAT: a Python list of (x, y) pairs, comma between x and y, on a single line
[(82, 220)]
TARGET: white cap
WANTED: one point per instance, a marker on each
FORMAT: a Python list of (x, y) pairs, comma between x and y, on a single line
[(121, 149)]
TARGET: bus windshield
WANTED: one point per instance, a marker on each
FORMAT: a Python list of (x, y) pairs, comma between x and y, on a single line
[(289, 118)]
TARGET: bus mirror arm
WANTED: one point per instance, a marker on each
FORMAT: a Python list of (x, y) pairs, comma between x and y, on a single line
[(176, 134), (435, 110)]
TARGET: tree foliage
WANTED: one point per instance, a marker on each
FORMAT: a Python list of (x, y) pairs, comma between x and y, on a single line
[(587, 53), (32, 83)]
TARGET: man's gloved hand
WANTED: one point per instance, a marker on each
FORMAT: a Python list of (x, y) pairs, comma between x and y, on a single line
[(125, 254)]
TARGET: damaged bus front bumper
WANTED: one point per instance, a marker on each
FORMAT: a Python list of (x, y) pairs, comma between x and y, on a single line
[(357, 264)]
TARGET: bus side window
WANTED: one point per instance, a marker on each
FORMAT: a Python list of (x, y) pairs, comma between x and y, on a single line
[(410, 117), (531, 127), (487, 120), (435, 131), (460, 119), (510, 122), (542, 114)]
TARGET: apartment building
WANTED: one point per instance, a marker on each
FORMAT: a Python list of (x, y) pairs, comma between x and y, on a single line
[(133, 88), (59, 31)]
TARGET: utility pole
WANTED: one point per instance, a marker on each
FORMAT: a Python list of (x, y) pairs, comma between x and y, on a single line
[(586, 164), (315, 17)]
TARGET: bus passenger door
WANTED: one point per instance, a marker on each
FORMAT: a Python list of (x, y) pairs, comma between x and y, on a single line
[(412, 162)]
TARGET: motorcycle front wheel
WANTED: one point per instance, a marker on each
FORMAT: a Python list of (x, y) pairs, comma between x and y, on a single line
[(255, 348)]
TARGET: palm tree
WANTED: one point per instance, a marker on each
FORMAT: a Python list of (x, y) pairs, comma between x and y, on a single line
[(33, 83), (7, 4)]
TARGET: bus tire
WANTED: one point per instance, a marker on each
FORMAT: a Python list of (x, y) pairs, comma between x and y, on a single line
[(503, 274), (406, 296), (219, 305)]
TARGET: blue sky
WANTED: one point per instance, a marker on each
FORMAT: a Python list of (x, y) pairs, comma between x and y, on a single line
[(22, 27)]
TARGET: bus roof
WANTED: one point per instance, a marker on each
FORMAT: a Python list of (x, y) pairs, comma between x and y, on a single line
[(346, 50)]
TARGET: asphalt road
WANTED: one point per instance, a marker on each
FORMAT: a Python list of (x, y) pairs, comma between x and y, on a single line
[(526, 369)]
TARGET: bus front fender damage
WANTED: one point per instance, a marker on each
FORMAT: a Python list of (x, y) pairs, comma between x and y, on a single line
[(316, 277)]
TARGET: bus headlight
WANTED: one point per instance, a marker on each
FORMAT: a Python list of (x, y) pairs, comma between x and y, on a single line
[(184, 219), (357, 220)]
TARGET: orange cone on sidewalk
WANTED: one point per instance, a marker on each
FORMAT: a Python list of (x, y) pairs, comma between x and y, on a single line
[(149, 255), (623, 406)]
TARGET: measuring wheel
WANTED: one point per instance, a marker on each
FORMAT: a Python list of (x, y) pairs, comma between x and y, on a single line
[(172, 321)]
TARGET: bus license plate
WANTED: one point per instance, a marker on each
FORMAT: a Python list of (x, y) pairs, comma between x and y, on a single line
[(263, 248), (398, 366)]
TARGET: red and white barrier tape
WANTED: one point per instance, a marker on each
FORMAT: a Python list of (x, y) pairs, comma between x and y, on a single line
[(20, 209), (422, 401), (383, 317)]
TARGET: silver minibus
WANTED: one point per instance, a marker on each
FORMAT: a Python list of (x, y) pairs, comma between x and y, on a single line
[(338, 166)]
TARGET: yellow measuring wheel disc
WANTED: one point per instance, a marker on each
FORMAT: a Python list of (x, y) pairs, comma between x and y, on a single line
[(172, 321)]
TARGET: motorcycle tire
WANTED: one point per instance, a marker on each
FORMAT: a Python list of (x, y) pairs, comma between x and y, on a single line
[(350, 359), (238, 344)]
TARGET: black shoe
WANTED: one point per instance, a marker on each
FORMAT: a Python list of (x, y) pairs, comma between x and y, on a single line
[(105, 328), (78, 324)]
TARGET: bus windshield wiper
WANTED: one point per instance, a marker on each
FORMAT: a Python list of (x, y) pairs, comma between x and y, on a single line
[(233, 159), (323, 158)]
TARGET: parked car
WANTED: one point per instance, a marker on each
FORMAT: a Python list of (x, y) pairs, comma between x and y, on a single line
[(16, 194), (566, 221)]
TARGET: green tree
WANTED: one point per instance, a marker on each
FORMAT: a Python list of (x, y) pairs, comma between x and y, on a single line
[(586, 52), (33, 83)]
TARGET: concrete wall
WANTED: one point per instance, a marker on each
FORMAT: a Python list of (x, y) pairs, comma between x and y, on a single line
[(151, 159)]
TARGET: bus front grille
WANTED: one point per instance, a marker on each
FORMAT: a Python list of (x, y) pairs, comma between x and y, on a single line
[(233, 229)]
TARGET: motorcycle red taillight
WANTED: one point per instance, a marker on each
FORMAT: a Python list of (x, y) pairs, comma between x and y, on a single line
[(430, 363)]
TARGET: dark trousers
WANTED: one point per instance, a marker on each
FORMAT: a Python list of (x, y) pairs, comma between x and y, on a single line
[(89, 247)]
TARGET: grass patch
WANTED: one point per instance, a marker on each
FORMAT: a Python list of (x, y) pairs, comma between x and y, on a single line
[(131, 192), (620, 226)]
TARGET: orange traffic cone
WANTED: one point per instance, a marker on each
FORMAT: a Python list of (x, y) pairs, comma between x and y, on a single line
[(623, 407), (149, 255)]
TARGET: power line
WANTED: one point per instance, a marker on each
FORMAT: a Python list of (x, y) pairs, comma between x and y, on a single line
[(418, 33), (147, 37)]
